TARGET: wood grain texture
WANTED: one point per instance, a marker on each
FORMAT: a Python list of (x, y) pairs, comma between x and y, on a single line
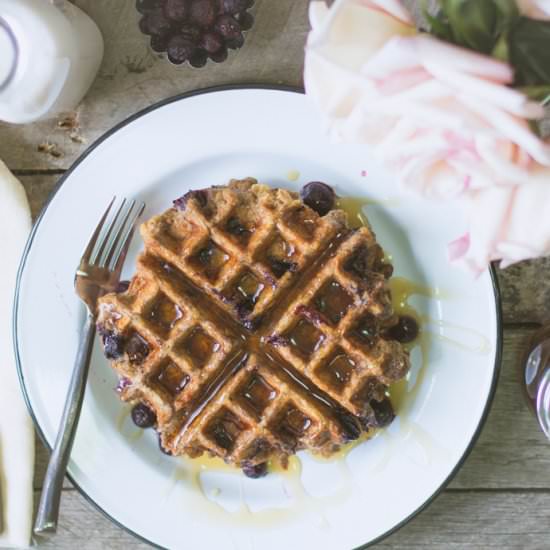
[(39, 189), (41, 464), (478, 520), (525, 291), (82, 527)]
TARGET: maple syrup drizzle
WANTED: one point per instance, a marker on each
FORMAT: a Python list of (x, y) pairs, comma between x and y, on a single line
[(306, 274), (209, 309), (353, 207), (210, 390), (346, 449), (293, 175), (347, 420), (479, 344), (402, 289), (255, 344), (202, 500)]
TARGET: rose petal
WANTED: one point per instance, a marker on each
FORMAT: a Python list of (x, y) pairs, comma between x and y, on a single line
[(536, 9), (392, 7), (498, 95), (318, 11), (431, 50), (512, 127), (458, 248)]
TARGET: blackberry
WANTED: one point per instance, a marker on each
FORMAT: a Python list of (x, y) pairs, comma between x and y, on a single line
[(211, 42), (232, 7), (176, 10), (220, 56), (180, 49), (228, 27), (155, 23), (203, 12), (198, 59), (245, 19)]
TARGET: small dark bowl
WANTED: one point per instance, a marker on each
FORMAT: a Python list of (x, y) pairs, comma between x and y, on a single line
[(158, 42)]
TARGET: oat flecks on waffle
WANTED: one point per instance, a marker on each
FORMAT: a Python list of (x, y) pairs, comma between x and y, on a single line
[(254, 327)]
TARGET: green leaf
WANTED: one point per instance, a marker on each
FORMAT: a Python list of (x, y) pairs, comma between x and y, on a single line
[(537, 93), (495, 27), (501, 50), (473, 23), (480, 25), (507, 9), (507, 16), (439, 28), (529, 43), (535, 127)]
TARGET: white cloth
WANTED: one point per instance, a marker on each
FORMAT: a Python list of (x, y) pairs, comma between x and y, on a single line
[(16, 430)]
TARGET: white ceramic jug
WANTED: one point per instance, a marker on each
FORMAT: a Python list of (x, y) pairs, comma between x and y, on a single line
[(50, 52)]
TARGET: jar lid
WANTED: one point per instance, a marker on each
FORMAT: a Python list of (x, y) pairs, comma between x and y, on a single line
[(8, 54)]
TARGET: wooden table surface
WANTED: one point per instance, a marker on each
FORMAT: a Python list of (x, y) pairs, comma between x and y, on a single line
[(501, 496)]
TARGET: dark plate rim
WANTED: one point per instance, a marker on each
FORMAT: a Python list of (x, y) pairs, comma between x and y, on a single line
[(67, 174)]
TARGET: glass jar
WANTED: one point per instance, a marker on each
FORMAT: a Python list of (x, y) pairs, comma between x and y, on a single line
[(50, 52)]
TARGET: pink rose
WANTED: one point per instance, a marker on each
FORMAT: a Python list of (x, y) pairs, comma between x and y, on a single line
[(536, 9), (506, 222), (441, 116)]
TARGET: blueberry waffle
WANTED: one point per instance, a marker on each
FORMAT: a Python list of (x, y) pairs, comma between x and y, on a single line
[(255, 327)]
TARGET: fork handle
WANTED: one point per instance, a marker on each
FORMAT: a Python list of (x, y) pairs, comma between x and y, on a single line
[(48, 509)]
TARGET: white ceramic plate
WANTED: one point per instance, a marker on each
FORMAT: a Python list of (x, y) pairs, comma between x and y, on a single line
[(203, 139)]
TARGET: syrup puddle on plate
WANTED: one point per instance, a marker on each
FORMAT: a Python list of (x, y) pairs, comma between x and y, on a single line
[(354, 208), (464, 338), (341, 455), (424, 448), (224, 493), (293, 175)]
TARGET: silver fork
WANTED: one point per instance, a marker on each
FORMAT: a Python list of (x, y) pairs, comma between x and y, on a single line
[(98, 273)]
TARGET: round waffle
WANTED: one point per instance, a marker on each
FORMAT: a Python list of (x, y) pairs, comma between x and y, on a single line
[(254, 327)]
